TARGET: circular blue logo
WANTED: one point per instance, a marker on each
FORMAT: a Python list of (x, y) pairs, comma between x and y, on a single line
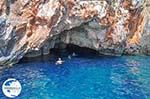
[(11, 88)]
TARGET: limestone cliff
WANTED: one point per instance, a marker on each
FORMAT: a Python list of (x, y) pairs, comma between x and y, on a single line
[(111, 27)]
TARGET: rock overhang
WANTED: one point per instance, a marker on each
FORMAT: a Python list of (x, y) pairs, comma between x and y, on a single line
[(110, 25)]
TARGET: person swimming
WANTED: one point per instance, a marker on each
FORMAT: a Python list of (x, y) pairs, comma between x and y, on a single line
[(69, 57), (74, 54), (59, 61)]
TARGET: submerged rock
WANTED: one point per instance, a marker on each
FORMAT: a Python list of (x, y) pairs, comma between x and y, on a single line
[(111, 27)]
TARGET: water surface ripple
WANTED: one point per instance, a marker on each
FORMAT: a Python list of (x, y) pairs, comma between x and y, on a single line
[(125, 77)]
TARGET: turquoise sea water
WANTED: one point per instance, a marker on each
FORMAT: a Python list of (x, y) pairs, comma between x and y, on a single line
[(82, 77)]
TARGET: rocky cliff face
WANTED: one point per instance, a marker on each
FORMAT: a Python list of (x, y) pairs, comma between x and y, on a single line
[(111, 27)]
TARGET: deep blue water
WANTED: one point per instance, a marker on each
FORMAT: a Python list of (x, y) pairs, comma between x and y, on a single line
[(82, 77)]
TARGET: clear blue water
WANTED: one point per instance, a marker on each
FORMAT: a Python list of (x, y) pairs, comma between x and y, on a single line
[(83, 77)]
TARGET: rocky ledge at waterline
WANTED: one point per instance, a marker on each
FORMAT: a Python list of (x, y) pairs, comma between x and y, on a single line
[(111, 27)]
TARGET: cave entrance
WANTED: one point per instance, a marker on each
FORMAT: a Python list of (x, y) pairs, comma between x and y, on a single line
[(68, 49), (63, 50)]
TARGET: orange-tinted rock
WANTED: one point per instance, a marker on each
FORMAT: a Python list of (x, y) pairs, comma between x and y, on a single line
[(36, 21)]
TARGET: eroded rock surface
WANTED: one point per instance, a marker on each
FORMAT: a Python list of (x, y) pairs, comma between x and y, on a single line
[(111, 27)]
